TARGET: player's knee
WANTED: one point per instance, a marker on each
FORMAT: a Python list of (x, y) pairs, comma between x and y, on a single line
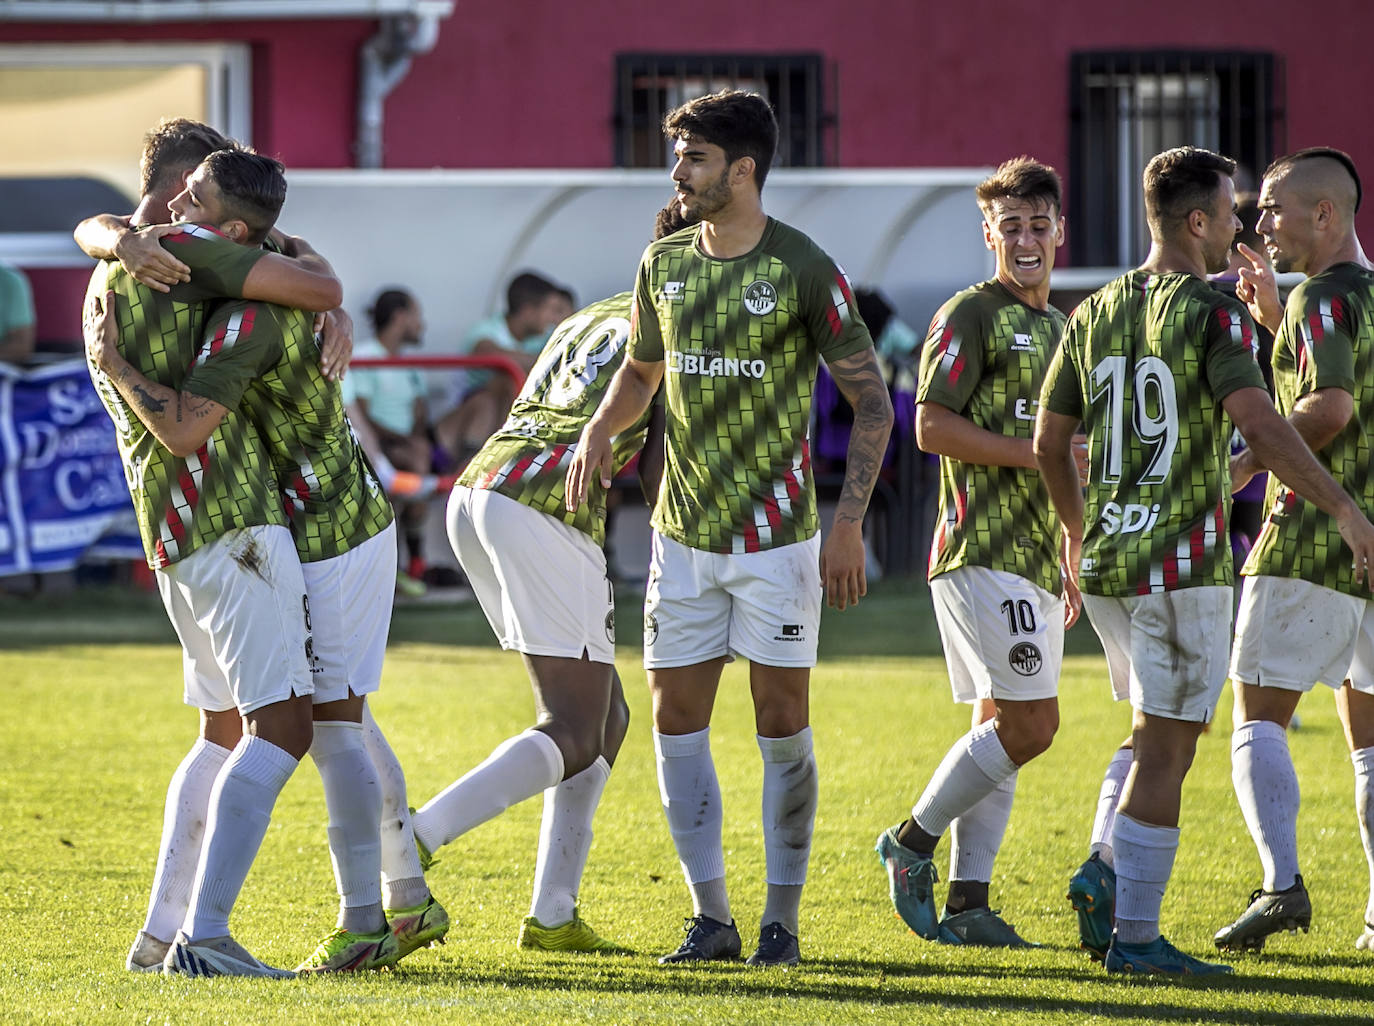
[(1027, 730)]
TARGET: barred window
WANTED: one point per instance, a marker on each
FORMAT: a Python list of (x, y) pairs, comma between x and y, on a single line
[(1127, 106), (648, 86)]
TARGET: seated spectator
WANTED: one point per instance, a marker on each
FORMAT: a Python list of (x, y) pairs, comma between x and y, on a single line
[(534, 305), (389, 402), (16, 315)]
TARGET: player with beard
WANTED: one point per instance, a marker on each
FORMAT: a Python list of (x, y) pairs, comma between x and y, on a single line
[(732, 316)]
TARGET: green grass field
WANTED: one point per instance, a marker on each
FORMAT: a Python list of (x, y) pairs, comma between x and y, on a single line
[(93, 727)]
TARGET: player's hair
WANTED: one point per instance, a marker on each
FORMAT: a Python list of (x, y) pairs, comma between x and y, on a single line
[(527, 289), (741, 123), (1286, 163), (670, 220), (174, 147), (387, 305), (1179, 181), (1022, 178), (253, 188)]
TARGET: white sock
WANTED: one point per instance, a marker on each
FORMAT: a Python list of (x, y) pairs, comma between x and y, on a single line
[(690, 793), (1363, 758), (976, 836), (565, 839), (1267, 788), (968, 773), (790, 791), (403, 882), (1144, 863), (183, 830), (353, 796), (240, 809), (518, 768), (1107, 800)]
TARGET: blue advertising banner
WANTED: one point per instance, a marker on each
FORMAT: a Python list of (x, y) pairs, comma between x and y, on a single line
[(62, 490)]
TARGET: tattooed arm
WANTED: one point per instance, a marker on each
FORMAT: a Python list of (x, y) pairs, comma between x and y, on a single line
[(859, 380), (181, 421)]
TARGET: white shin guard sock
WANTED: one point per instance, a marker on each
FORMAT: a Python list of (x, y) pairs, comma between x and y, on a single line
[(519, 768), (353, 796), (183, 831), (1363, 759), (1144, 863), (969, 772), (690, 793), (240, 809), (790, 792), (1108, 797), (565, 840), (403, 881), (1267, 788), (976, 836)]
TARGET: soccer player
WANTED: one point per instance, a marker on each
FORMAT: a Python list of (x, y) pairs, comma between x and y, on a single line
[(994, 568), (512, 533), (1305, 617), (263, 359), (215, 532), (732, 315), (1153, 364)]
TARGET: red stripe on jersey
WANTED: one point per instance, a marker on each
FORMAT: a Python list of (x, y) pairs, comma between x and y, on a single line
[(518, 471), (937, 548), (301, 487), (188, 487), (1338, 312), (1314, 325), (960, 505), (175, 525), (556, 455), (191, 232), (490, 476), (845, 290), (751, 538), (1302, 359), (246, 320), (1143, 588), (833, 316), (772, 512), (956, 369), (1170, 572)]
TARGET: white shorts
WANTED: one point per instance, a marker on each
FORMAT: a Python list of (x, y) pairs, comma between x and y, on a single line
[(238, 606), (763, 606), (1166, 651), (1294, 634), (541, 582), (1003, 635), (350, 616)]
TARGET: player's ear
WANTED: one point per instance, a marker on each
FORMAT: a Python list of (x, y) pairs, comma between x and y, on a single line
[(987, 236), (1059, 232), (235, 230), (743, 169)]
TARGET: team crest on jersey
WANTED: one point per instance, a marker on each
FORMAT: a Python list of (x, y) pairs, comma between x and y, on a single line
[(1025, 659), (673, 291), (1022, 343), (760, 298)]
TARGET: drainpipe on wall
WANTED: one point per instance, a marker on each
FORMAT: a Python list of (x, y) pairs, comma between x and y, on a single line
[(383, 62)]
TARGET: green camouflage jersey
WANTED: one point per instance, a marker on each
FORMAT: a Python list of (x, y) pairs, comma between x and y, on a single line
[(740, 339), (263, 360), (182, 503), (1326, 341), (985, 358), (527, 458), (1145, 363)]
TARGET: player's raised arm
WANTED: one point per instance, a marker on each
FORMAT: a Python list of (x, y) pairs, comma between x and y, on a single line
[(860, 380), (1279, 447), (112, 237), (181, 421), (632, 390)]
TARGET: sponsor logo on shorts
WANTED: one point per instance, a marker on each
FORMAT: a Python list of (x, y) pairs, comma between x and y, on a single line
[(1025, 659), (610, 626), (650, 628), (789, 632), (760, 298)]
